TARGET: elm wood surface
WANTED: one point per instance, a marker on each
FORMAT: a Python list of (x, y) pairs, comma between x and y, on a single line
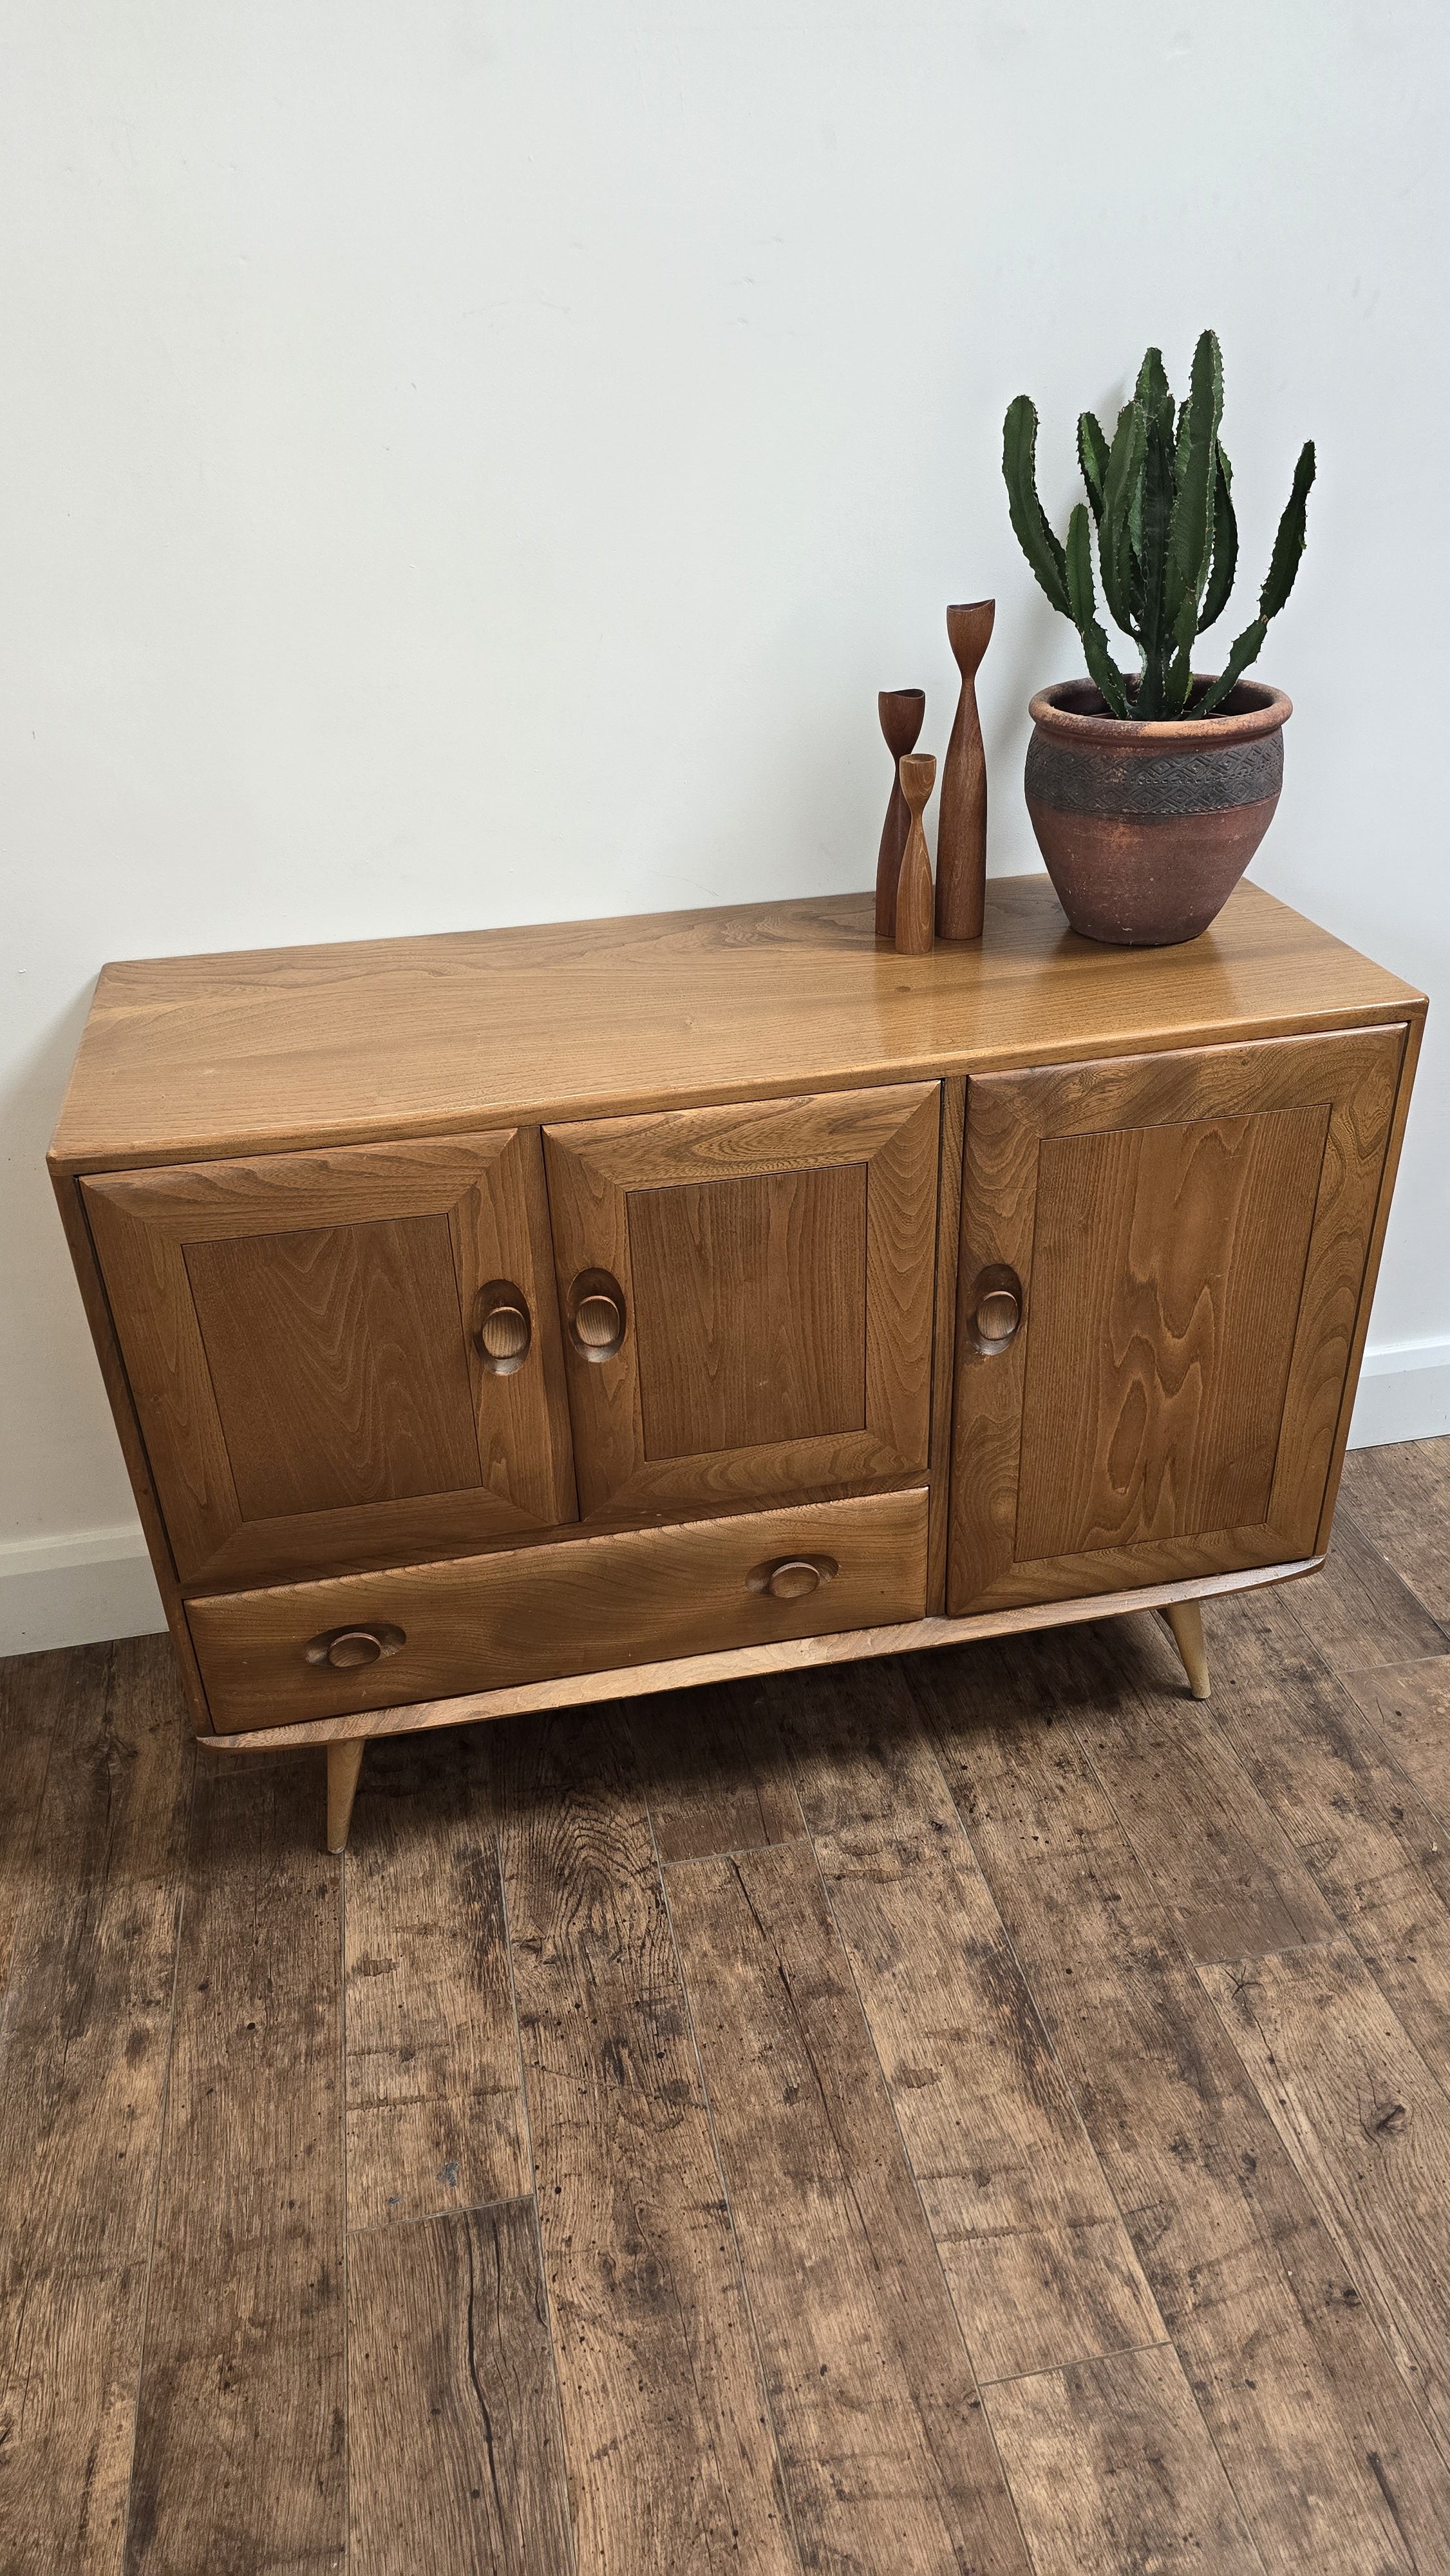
[(776, 1263), (1191, 1238), (914, 902), (540, 1612), (223, 2350), (902, 713), (948, 1246), (297, 1335), (273, 1050), (961, 828), (791, 1654)]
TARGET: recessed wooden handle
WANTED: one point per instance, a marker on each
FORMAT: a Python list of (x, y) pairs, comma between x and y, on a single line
[(792, 1578), (347, 1650), (502, 1328), (992, 1315), (596, 1315), (998, 1315)]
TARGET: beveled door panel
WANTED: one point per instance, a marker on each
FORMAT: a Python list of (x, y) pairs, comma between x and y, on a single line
[(341, 1357), (1180, 1242), (747, 1296)]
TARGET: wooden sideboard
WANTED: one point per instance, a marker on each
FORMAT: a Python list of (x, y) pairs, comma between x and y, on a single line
[(507, 1318)]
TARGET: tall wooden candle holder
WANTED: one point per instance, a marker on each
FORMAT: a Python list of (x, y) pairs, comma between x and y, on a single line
[(902, 713), (961, 840)]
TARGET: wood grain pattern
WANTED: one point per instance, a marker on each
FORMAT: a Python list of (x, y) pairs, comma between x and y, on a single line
[(71, 1208), (1358, 1612), (1325, 2449), (1410, 1706), (1400, 1497), (455, 2457), (915, 902), (668, 2435), (961, 839), (278, 1049), (885, 2454), (1226, 1875), (750, 1309), (902, 713), (1368, 2128), (33, 1691), (94, 1892), (337, 1364), (943, 1348), (435, 2114), (353, 1275), (1110, 1397), (791, 1654), (240, 2438), (1036, 2257), (1111, 2467), (1185, 1247), (714, 1771), (1345, 1794), (581, 1607), (767, 1253)]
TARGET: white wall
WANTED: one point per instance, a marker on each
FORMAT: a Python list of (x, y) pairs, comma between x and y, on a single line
[(477, 460)]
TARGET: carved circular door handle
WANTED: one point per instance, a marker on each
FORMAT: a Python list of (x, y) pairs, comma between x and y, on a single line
[(347, 1650), (993, 1312), (998, 1315), (596, 1315), (792, 1578), (502, 1329)]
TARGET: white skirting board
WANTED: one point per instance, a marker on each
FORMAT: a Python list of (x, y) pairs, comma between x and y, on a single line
[(94, 1584)]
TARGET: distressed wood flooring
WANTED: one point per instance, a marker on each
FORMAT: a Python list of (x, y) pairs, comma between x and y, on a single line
[(977, 2112)]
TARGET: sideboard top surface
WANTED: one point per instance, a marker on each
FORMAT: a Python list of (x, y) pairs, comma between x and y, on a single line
[(266, 1050)]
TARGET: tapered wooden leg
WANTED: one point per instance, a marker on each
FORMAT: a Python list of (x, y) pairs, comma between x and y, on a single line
[(344, 1761), (1186, 1621)]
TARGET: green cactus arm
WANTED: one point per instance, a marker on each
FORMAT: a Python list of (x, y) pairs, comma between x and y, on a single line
[(1289, 542), (1245, 649), (1092, 456), (1190, 538), (1225, 546), (1029, 519), (1157, 504), (1121, 482), (1080, 592), (1151, 390)]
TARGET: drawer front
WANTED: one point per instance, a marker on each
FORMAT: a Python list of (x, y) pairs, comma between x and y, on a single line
[(535, 1614)]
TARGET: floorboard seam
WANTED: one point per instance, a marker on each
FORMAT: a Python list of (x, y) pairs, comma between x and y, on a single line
[(1352, 2268), (533, 2194), (1209, 2435), (342, 2106), (915, 2185), (787, 2499), (1079, 2361), (161, 2131)]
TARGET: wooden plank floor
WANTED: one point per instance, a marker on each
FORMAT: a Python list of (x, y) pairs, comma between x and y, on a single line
[(983, 2112)]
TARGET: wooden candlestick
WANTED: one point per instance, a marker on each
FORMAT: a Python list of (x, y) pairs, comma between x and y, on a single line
[(913, 885), (902, 713), (961, 823)]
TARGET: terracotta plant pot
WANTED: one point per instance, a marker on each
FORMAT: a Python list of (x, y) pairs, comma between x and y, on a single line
[(1147, 828)]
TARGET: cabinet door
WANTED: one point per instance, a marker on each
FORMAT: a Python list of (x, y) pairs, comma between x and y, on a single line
[(1161, 1269), (341, 1357), (746, 1296)]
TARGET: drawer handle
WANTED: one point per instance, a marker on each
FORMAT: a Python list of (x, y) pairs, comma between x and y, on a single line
[(502, 1329), (596, 1315), (994, 1313), (792, 1578), (346, 1650)]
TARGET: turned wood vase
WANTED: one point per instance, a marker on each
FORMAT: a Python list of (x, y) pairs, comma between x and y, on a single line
[(1147, 828)]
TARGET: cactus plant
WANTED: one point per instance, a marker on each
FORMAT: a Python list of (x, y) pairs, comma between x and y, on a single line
[(1161, 496)]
